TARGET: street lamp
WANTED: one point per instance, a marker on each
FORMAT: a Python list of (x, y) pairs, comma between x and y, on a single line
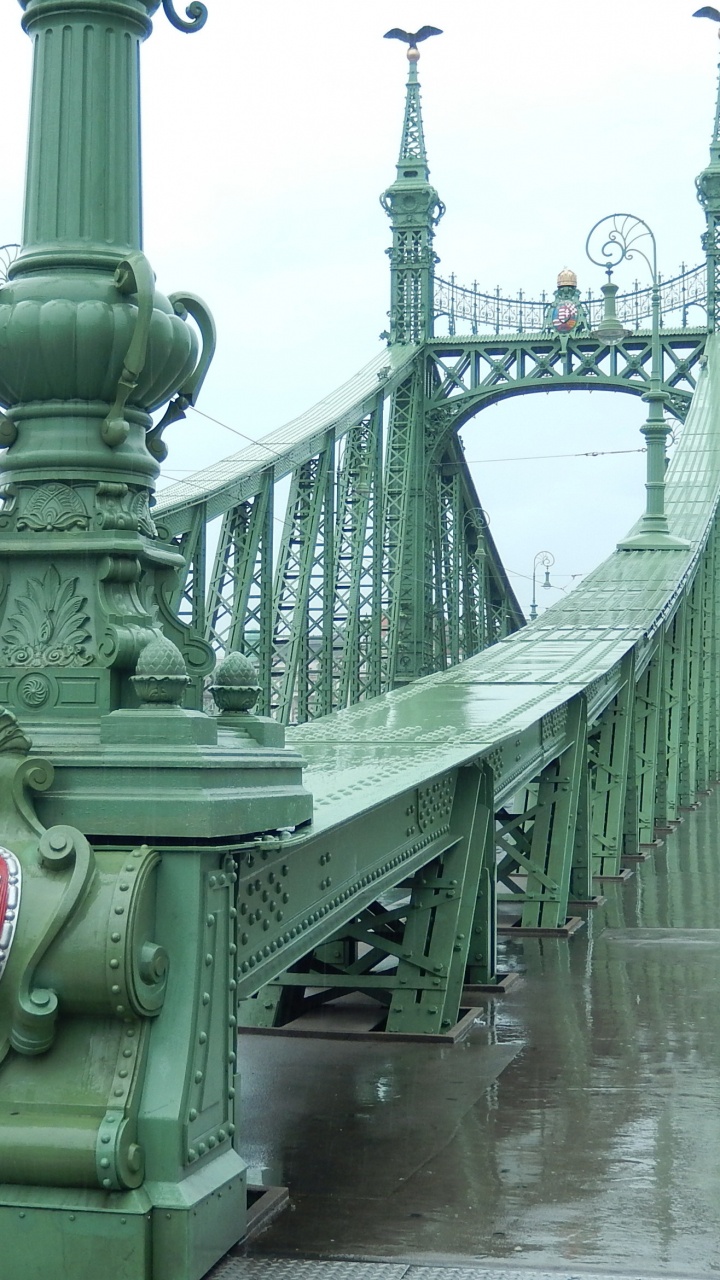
[(615, 239), (545, 559)]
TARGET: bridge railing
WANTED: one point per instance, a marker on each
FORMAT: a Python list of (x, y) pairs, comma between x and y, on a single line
[(479, 312)]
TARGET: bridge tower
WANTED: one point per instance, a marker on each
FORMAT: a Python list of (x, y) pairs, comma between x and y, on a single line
[(708, 189), (414, 208)]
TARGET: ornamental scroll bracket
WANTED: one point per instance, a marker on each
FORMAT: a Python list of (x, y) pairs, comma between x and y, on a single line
[(184, 305), (133, 275), (196, 12)]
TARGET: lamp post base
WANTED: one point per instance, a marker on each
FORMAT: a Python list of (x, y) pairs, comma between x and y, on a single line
[(653, 541)]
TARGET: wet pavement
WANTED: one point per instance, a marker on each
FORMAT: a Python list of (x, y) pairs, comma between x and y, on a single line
[(578, 1126)]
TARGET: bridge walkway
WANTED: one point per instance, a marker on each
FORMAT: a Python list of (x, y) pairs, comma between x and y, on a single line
[(577, 1127)]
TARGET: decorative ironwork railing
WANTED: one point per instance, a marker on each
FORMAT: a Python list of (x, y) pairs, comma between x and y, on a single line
[(462, 305), (8, 254)]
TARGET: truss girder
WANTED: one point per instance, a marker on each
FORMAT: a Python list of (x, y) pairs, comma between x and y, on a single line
[(385, 569), (590, 731), (471, 373)]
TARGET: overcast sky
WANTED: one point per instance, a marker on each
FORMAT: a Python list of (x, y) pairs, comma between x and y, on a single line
[(269, 136)]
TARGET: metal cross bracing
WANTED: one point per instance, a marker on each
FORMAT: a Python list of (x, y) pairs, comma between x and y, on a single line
[(471, 373), (528, 773), (325, 596), (379, 567)]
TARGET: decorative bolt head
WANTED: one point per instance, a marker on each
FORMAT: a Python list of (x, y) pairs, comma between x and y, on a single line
[(236, 687)]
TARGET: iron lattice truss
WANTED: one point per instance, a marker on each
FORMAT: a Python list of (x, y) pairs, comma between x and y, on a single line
[(468, 375), (333, 574), (537, 769), (355, 556)]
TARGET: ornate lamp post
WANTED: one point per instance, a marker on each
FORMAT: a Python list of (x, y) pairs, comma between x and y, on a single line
[(615, 239), (122, 805), (546, 560)]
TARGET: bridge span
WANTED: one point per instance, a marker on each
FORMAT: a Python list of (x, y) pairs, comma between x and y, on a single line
[(247, 777)]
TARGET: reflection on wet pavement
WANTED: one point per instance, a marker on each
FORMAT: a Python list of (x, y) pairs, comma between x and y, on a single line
[(578, 1124)]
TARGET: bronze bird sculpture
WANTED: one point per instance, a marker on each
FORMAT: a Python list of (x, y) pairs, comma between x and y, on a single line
[(412, 39)]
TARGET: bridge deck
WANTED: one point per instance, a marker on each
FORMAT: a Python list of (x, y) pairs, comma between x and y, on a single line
[(576, 1128)]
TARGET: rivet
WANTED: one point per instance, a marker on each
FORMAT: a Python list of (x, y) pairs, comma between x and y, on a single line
[(193, 1114), (210, 921), (208, 959), (119, 911), (115, 937), (107, 1184), (104, 1163), (206, 997), (115, 990), (114, 964), (202, 1037), (124, 888), (198, 1077), (119, 1008)]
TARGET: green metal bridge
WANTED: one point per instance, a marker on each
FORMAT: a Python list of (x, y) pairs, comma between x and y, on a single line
[(396, 752)]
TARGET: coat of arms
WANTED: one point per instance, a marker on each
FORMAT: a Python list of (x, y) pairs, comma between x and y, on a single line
[(10, 887)]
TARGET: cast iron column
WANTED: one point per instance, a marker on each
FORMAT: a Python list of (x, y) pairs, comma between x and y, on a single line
[(125, 809)]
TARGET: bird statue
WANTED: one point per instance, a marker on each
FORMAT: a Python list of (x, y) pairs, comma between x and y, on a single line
[(708, 12), (412, 39)]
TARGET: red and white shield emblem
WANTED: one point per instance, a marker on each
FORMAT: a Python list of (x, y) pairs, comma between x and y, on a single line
[(10, 888)]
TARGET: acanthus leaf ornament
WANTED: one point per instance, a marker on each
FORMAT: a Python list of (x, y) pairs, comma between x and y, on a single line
[(197, 14), (50, 625)]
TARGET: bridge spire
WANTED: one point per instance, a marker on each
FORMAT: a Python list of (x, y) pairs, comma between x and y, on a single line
[(708, 189), (414, 208)]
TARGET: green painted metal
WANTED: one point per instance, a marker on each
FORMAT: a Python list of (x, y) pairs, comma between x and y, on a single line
[(169, 866), (708, 191), (121, 810), (578, 718), (415, 209)]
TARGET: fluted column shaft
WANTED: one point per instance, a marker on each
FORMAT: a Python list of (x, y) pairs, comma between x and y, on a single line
[(83, 187)]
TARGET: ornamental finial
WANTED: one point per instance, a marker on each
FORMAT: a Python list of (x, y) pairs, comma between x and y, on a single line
[(197, 14), (412, 39)]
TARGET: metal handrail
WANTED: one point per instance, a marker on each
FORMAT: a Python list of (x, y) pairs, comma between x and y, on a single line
[(499, 314)]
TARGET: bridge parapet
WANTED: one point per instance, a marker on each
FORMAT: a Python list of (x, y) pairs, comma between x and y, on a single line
[(467, 308)]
